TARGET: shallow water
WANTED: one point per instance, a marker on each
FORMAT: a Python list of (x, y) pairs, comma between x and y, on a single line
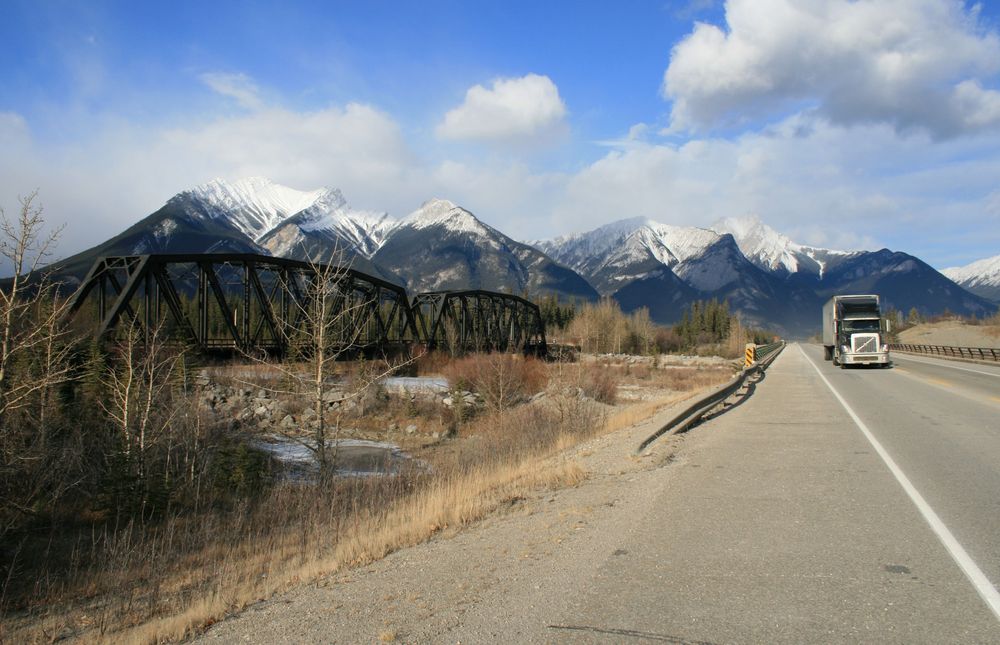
[(354, 457), (416, 383)]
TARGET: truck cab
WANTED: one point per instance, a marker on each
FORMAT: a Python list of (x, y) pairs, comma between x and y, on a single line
[(853, 331)]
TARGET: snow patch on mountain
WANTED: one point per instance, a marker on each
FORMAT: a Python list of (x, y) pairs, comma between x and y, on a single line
[(444, 213), (774, 252), (624, 250), (364, 231), (255, 205), (985, 272), (760, 243)]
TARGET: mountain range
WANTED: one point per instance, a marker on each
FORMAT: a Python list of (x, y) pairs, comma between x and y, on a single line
[(768, 278), (981, 277)]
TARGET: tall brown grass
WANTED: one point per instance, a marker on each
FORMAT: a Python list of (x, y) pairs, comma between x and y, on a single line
[(168, 579)]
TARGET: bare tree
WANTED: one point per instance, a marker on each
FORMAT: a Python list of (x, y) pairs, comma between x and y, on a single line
[(35, 351), (333, 316), (137, 384), (31, 312)]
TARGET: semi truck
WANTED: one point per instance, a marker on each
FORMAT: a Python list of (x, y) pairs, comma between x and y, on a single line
[(853, 331)]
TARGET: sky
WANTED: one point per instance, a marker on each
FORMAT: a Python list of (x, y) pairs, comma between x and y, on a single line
[(842, 124)]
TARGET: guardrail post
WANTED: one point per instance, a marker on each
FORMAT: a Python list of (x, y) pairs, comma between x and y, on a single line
[(751, 355)]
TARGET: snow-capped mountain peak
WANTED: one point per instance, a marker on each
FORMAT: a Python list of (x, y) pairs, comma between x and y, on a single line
[(982, 277), (255, 205), (442, 212), (986, 271), (760, 243), (773, 251)]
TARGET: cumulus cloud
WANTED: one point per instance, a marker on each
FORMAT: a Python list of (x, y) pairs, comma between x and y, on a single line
[(238, 87), (915, 64), (862, 186), (512, 110)]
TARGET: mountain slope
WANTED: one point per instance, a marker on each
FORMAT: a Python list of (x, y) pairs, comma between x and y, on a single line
[(904, 282), (441, 246), (252, 215), (182, 225), (643, 263), (981, 277), (776, 253), (255, 205), (329, 230)]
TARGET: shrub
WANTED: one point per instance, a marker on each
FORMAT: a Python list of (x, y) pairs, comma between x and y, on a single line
[(601, 385)]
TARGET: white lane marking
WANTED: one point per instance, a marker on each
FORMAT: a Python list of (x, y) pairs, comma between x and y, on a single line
[(954, 367), (986, 590)]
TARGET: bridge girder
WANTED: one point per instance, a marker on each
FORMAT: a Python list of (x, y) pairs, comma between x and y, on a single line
[(256, 303), (479, 321), (245, 302)]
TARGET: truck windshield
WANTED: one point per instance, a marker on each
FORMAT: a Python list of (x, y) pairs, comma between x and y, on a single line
[(861, 325)]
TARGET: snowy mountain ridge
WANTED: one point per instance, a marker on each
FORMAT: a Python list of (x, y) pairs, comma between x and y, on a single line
[(985, 271), (255, 205), (981, 277), (773, 251)]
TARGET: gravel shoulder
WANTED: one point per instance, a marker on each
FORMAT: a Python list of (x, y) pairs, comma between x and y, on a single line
[(466, 586)]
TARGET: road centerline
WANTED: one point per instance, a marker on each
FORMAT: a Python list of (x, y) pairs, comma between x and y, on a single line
[(972, 572)]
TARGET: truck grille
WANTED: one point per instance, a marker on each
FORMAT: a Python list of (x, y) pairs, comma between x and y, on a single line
[(864, 343)]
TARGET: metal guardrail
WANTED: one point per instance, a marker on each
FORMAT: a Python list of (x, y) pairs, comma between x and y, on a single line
[(975, 353), (764, 355)]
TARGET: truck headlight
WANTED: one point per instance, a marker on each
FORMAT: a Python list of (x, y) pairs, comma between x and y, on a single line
[(885, 349)]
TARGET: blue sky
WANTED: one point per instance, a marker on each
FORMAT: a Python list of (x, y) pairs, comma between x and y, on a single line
[(841, 124)]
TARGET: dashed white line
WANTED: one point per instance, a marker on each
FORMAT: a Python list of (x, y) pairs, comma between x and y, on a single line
[(983, 586)]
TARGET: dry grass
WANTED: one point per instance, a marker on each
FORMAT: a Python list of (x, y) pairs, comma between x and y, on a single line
[(220, 580), (167, 581)]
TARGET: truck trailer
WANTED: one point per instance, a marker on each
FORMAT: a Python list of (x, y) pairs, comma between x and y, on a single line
[(853, 332)]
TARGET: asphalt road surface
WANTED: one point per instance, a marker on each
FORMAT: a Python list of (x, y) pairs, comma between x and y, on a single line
[(795, 529)]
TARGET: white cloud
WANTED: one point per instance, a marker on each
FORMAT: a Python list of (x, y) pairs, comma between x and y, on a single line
[(124, 171), (915, 64), (820, 183), (239, 87), (512, 110)]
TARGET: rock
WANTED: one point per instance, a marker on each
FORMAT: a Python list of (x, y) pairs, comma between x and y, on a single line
[(410, 429), (333, 396), (260, 411), (287, 421), (448, 401), (435, 435)]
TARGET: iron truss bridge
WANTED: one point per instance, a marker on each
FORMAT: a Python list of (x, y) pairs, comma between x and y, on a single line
[(256, 303)]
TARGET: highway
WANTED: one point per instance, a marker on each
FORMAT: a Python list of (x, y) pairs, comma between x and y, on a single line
[(940, 421), (794, 528)]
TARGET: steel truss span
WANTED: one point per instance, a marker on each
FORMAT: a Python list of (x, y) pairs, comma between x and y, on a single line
[(479, 321), (258, 303)]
